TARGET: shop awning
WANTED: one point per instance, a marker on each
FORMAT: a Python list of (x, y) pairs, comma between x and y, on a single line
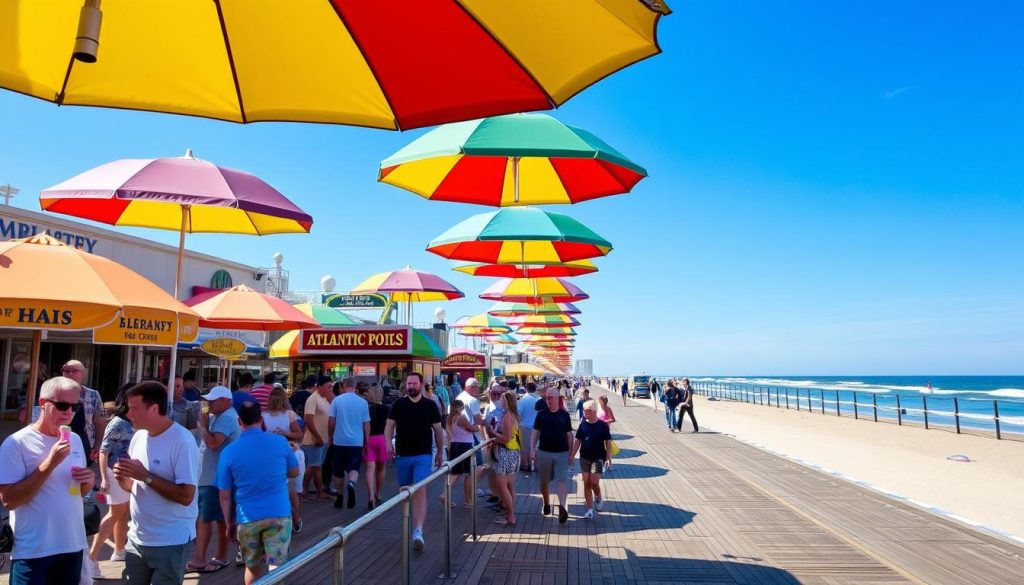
[(424, 346), (250, 348)]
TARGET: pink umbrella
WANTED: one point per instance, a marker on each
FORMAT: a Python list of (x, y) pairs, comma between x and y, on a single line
[(409, 286)]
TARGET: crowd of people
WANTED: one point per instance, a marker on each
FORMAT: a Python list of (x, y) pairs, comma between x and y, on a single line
[(185, 478)]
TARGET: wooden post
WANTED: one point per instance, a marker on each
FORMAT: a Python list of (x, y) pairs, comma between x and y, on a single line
[(821, 396), (995, 411), (855, 413), (924, 409), (874, 405), (956, 414), (899, 411), (838, 412), (787, 398)]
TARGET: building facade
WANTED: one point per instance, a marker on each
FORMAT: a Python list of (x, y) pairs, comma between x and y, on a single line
[(584, 368)]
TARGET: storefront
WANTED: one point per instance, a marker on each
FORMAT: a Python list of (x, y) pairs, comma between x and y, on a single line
[(464, 364), (109, 366), (383, 354)]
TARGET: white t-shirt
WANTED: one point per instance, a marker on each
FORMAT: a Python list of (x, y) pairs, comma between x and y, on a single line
[(349, 412), (171, 455), (52, 522), (471, 408)]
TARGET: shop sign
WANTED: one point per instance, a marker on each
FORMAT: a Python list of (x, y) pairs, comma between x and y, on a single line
[(223, 347), (464, 360), (369, 340), (138, 326), (344, 301), (364, 370), (57, 315), (12, 228)]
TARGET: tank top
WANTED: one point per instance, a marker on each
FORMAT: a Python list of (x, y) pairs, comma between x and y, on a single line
[(602, 414), (461, 435), (274, 422)]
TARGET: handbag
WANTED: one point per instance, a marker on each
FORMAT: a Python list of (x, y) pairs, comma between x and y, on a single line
[(92, 516), (615, 448)]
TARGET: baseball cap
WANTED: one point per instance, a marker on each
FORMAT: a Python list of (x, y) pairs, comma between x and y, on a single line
[(217, 392), (472, 382)]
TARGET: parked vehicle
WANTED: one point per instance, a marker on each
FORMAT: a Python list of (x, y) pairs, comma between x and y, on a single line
[(640, 386)]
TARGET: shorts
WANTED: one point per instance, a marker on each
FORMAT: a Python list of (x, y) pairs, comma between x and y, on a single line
[(314, 455), (411, 469), (592, 465), (506, 461), (265, 540), (346, 458), (552, 466), (378, 449), (462, 467), (209, 504), (116, 494)]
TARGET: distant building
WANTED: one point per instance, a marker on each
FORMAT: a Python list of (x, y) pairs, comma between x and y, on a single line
[(584, 368)]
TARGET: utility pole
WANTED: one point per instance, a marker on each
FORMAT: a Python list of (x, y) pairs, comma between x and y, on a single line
[(6, 191)]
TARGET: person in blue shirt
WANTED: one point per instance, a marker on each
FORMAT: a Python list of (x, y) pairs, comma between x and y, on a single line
[(242, 395), (256, 467)]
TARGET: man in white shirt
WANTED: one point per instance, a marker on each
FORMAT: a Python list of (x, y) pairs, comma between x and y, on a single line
[(161, 472), (349, 427), (43, 476), (470, 398)]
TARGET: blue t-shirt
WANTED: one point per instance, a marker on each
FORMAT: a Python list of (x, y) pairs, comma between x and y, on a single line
[(349, 412), (226, 423), (116, 439), (528, 410), (240, 397), (256, 467)]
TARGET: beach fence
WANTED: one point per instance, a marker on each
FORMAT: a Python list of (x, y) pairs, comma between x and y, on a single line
[(990, 418)]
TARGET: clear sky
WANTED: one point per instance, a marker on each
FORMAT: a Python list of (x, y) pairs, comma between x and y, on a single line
[(835, 188)]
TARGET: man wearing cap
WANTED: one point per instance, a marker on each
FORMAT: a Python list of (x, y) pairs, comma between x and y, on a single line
[(93, 413), (216, 430), (317, 437)]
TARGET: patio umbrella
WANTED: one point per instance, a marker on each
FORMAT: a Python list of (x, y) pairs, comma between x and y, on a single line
[(535, 291), (483, 324), (185, 194), (530, 338), (47, 285), (520, 236), (545, 330), (396, 65), (505, 309), (574, 268), (543, 321), (409, 286), (241, 307), (523, 370), (503, 339), (520, 159)]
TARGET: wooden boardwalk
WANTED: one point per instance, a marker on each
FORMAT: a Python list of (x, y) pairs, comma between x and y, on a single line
[(681, 508)]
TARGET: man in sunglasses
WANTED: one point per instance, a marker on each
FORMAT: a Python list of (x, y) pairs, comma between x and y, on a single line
[(43, 476), (94, 415)]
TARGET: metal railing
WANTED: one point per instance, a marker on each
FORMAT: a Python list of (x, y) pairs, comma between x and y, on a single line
[(848, 402), (339, 536)]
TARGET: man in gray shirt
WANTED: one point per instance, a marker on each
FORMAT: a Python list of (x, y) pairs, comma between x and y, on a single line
[(184, 412)]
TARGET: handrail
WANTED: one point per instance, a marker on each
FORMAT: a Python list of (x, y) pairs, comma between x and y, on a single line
[(339, 536)]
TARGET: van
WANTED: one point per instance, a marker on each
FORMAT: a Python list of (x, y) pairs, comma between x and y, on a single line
[(640, 386)]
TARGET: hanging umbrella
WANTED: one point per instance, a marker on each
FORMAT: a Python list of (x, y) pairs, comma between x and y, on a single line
[(545, 330), (409, 286), (184, 194), (523, 370), (482, 324), (520, 236), (241, 307), (96, 291), (574, 268), (543, 321), (505, 309), (503, 339), (395, 65), (548, 337), (520, 159), (534, 291), (288, 344)]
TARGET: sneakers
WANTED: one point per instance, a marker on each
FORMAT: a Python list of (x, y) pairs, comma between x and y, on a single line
[(350, 491), (598, 503), (117, 556), (482, 493), (547, 509), (563, 515), (417, 539), (589, 515), (94, 569), (297, 526), (238, 558)]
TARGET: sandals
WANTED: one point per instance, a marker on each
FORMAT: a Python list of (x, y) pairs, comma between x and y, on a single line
[(500, 521), (210, 566)]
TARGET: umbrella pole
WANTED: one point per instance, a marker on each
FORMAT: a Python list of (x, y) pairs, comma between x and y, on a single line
[(515, 179), (33, 376), (172, 370)]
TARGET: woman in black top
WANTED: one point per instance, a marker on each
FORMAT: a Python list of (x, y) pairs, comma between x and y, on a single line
[(377, 448)]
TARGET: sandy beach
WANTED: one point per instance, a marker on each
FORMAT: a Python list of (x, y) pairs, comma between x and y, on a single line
[(907, 461)]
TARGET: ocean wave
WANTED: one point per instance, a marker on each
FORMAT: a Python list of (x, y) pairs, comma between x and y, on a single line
[(1008, 393), (867, 387)]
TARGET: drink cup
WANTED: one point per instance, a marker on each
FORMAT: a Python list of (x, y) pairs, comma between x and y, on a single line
[(65, 433), (74, 488), (205, 407)]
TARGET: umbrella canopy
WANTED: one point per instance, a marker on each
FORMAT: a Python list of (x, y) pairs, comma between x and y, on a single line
[(409, 286), (521, 236), (288, 344), (520, 159), (574, 268), (334, 62), (241, 307), (483, 324), (523, 370), (505, 309), (548, 337), (545, 330), (534, 291), (504, 339), (153, 193), (543, 321)]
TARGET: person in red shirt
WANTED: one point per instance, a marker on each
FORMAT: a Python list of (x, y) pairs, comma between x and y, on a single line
[(262, 392)]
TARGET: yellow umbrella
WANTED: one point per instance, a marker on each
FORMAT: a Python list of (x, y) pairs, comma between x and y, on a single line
[(523, 370)]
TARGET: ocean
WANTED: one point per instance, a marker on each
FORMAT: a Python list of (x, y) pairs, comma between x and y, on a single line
[(911, 398)]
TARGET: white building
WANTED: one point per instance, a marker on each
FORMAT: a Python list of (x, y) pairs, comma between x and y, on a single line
[(584, 368)]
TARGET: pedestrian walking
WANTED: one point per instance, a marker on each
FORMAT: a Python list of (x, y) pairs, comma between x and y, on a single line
[(656, 395), (252, 476), (280, 419), (460, 433), (183, 411), (686, 406), (316, 438), (527, 408), (470, 397), (506, 457), (673, 397), (549, 448), (262, 392), (625, 391), (377, 449), (412, 422), (594, 445), (43, 476), (604, 410), (116, 438), (349, 428), (162, 473), (93, 415)]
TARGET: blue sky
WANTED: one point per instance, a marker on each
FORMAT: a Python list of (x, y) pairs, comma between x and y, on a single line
[(835, 188)]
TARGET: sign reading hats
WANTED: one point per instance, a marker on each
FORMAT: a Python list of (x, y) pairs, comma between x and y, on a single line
[(223, 347)]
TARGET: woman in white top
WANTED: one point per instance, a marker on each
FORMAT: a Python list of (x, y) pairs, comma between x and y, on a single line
[(282, 420)]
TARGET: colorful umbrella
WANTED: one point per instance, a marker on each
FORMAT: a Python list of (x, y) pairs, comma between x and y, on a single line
[(288, 344), (521, 159), (504, 309), (543, 321), (523, 370), (483, 324), (398, 65), (504, 339), (574, 268), (535, 291), (544, 330), (47, 285), (409, 286), (567, 336), (241, 307), (520, 236)]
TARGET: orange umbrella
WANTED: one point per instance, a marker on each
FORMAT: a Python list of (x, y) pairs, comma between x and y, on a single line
[(241, 307)]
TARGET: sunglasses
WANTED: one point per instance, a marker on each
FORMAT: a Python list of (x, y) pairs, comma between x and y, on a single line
[(65, 406)]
